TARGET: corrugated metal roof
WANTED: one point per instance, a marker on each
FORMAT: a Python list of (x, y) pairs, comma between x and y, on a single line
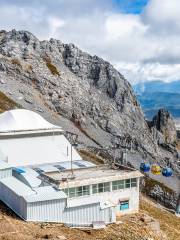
[(32, 195), (48, 168), (17, 186), (31, 180), (60, 166), (45, 196), (30, 171)]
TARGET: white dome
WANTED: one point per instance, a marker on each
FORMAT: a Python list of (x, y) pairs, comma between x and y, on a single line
[(23, 120)]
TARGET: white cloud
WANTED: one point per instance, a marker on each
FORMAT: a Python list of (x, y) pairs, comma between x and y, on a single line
[(138, 72), (143, 47), (163, 15)]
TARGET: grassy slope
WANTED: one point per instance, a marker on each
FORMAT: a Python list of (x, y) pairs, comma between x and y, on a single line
[(170, 224), (6, 103), (131, 228)]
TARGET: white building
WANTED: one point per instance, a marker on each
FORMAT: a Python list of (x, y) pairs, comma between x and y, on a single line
[(26, 139), (39, 182)]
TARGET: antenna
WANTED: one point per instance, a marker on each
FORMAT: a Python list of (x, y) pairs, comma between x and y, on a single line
[(73, 138)]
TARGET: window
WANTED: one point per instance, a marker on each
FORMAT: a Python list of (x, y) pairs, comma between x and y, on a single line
[(101, 187), (94, 188), (118, 185), (66, 191), (78, 191), (124, 205), (72, 192), (83, 191), (127, 183), (133, 182)]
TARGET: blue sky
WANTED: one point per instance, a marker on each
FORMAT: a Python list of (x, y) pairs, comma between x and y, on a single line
[(139, 37), (131, 6)]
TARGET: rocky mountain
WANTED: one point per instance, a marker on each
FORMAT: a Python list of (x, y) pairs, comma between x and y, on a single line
[(154, 95), (164, 127), (82, 93)]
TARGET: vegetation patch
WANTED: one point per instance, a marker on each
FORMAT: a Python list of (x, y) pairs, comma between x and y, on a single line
[(6, 103), (169, 223), (89, 156), (52, 68), (16, 62)]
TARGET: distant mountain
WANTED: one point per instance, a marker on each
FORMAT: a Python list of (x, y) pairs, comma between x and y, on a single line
[(153, 95)]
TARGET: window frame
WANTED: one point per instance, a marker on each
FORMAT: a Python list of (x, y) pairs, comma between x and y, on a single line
[(118, 185), (133, 182), (128, 183), (101, 187), (77, 191)]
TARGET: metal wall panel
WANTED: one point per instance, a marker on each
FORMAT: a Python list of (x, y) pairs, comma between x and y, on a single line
[(55, 210), (13, 201), (46, 211), (85, 215), (4, 173)]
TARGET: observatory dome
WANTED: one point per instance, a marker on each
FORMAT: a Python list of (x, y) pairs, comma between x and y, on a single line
[(23, 120)]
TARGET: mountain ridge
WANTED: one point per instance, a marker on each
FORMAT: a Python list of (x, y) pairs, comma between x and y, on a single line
[(82, 93)]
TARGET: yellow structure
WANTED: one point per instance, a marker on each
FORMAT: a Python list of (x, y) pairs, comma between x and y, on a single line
[(156, 169)]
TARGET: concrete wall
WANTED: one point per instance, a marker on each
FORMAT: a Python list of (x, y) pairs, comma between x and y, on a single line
[(131, 194)]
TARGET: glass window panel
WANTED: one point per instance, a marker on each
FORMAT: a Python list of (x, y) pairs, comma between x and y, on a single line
[(86, 190), (118, 185), (133, 182), (100, 187), (127, 183), (94, 188), (121, 184), (79, 191), (72, 192), (114, 185), (107, 187), (66, 191)]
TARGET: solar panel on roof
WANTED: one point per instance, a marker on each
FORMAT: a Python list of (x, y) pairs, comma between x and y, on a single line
[(39, 170), (59, 167), (79, 164)]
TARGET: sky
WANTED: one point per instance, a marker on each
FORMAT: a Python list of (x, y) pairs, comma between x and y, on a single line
[(141, 38)]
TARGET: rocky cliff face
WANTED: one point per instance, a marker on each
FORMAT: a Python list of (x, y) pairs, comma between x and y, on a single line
[(81, 92), (165, 125)]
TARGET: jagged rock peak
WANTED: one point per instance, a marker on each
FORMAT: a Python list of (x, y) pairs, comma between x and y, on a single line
[(165, 124)]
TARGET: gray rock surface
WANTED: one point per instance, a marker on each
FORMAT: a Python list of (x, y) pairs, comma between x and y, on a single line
[(80, 92), (165, 126)]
